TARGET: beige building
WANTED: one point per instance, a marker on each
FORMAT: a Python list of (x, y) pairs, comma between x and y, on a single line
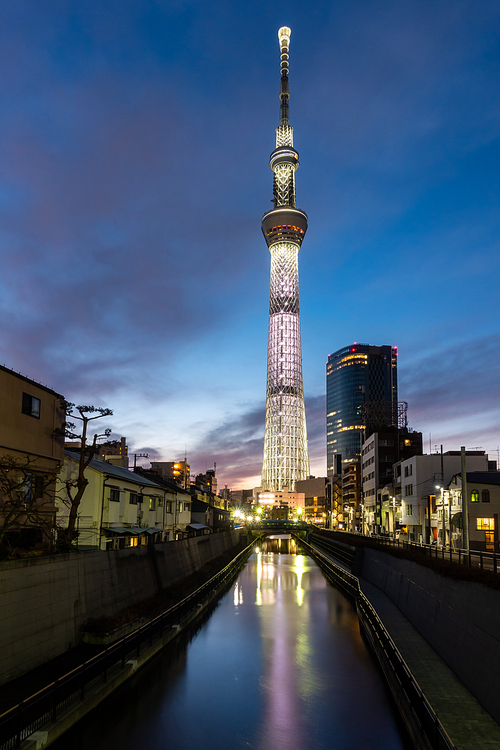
[(30, 456), (280, 504), (121, 508), (178, 471), (315, 492)]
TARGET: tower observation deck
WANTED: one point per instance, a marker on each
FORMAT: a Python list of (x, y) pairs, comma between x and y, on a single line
[(286, 457)]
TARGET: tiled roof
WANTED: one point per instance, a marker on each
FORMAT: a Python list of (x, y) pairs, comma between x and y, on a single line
[(103, 467)]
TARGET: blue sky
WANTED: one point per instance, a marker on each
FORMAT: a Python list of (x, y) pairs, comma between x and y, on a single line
[(134, 147)]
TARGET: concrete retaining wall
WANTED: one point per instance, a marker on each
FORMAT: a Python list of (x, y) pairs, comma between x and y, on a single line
[(460, 620), (44, 601)]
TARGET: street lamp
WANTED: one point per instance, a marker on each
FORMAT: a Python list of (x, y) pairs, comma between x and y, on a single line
[(393, 508)]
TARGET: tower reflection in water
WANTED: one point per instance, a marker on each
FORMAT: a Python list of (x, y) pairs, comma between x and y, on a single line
[(281, 576), (278, 665)]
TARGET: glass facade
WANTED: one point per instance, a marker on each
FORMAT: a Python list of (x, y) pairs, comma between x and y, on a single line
[(355, 375)]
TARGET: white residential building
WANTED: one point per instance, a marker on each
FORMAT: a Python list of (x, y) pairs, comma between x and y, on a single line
[(418, 482), (121, 508)]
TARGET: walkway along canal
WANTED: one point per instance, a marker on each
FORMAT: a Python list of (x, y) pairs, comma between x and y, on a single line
[(279, 665)]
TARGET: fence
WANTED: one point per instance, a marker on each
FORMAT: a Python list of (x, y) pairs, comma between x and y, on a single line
[(473, 558)]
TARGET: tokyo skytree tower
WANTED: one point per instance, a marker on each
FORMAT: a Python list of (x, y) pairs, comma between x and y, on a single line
[(286, 457)]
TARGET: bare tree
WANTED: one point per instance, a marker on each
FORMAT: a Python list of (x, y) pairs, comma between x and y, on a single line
[(76, 488), (27, 503)]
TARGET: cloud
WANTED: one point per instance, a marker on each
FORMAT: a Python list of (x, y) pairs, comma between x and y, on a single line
[(453, 382), (236, 445), (133, 160)]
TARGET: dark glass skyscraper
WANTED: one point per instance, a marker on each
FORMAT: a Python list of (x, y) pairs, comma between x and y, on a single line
[(355, 375)]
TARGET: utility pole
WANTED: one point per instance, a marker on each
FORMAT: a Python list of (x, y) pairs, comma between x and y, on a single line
[(465, 504), (442, 498), (139, 455)]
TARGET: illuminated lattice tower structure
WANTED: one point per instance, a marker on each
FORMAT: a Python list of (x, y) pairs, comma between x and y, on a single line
[(286, 456)]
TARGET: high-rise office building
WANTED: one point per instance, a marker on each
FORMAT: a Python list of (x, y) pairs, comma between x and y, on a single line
[(286, 457), (356, 375)]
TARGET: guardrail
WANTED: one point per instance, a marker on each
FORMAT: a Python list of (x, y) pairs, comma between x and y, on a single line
[(337, 549), (30, 715), (427, 720), (473, 558)]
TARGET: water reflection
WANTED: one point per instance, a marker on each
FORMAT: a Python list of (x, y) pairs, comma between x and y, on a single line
[(280, 665)]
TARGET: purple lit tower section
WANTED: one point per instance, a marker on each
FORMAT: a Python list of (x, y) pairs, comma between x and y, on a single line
[(286, 457)]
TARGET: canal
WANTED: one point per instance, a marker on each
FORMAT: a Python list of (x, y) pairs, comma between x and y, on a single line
[(278, 665)]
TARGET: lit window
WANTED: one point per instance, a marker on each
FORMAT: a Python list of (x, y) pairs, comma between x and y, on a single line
[(485, 524), (152, 503), (474, 496)]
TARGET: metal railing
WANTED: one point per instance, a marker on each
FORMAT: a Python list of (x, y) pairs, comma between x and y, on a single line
[(27, 717), (473, 558), (338, 549), (423, 712)]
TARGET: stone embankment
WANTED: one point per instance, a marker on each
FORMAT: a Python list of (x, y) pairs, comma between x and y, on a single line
[(46, 602), (455, 614)]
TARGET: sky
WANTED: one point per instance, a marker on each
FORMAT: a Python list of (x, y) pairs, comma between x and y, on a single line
[(134, 171)]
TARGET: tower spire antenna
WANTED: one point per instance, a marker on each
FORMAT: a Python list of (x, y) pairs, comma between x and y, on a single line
[(286, 456), (284, 40)]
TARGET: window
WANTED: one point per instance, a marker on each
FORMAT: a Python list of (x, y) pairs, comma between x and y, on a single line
[(485, 496), (33, 487), (180, 507), (168, 506), (485, 524), (408, 489), (31, 405), (408, 470), (134, 498), (152, 503), (114, 496), (409, 509), (474, 496)]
